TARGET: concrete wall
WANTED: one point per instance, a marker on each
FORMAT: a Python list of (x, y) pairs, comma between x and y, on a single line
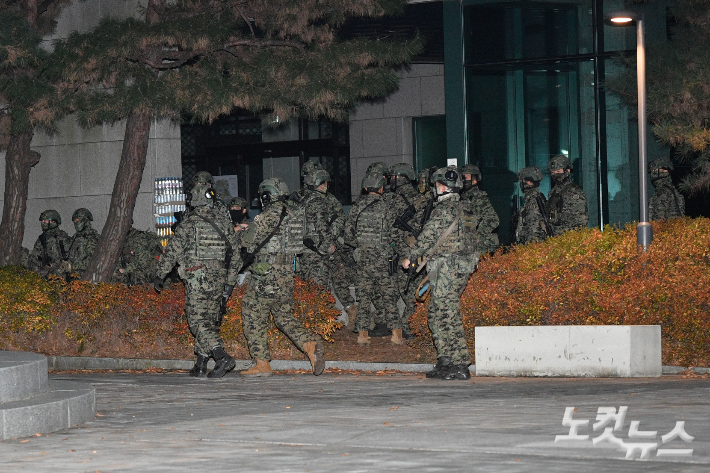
[(381, 130), (78, 167)]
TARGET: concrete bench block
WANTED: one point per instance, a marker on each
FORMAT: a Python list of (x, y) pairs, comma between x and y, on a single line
[(569, 350)]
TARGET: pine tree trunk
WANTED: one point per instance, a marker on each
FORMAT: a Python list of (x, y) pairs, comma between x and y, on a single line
[(123, 198), (19, 160)]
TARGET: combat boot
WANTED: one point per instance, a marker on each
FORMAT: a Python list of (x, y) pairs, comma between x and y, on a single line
[(380, 330), (223, 363), (443, 364), (407, 333), (363, 338), (397, 336), (457, 372), (200, 368), (351, 310), (314, 350), (262, 368)]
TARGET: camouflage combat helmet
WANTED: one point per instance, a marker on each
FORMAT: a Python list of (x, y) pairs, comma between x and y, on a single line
[(316, 178), (203, 177), (202, 194), (449, 176), (240, 202), (403, 169), (471, 169), (275, 187), (530, 173), (377, 168), (310, 166), (82, 213), (51, 215), (559, 162), (661, 162), (373, 182)]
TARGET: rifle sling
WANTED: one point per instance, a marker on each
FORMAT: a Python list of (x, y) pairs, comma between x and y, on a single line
[(265, 241), (441, 239)]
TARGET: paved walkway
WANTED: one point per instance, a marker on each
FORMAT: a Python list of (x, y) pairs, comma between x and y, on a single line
[(368, 422)]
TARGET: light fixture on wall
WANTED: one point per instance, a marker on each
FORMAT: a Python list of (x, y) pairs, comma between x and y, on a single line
[(644, 230)]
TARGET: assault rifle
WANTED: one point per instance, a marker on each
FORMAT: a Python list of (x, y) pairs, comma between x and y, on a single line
[(543, 212), (402, 221), (412, 270)]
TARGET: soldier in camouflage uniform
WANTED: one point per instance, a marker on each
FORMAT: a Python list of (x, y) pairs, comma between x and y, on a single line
[(410, 207), (368, 229), (423, 183), (314, 262), (204, 247), (666, 202), (471, 175), (448, 247), (51, 248), (567, 202), (529, 223), (377, 170), (83, 243), (272, 242), (139, 258)]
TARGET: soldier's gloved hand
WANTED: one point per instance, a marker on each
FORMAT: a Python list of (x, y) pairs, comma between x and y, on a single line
[(158, 284)]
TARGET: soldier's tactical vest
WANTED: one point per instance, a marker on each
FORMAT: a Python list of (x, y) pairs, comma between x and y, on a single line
[(463, 240), (289, 238), (371, 229), (208, 244)]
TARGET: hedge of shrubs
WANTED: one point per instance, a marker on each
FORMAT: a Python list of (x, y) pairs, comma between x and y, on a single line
[(113, 320), (590, 277), (582, 277)]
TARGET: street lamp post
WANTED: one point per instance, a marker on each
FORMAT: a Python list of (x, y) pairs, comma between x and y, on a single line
[(644, 230)]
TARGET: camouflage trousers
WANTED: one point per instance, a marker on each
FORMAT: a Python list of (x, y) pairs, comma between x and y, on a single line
[(448, 278), (203, 294), (271, 295), (342, 278), (314, 268), (376, 286)]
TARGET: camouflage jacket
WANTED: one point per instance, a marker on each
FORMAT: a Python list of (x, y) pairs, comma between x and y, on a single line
[(567, 207), (336, 215), (666, 202), (442, 217), (370, 206), (489, 218), (183, 245), (82, 249), (139, 258), (530, 225), (318, 215), (48, 256)]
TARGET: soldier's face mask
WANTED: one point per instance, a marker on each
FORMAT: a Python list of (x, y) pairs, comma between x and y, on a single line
[(238, 215), (560, 176), (80, 224), (658, 174), (526, 184), (48, 225)]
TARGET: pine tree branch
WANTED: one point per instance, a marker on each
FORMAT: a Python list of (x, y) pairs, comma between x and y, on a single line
[(163, 59)]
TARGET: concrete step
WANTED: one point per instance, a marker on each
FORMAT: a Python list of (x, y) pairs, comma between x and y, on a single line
[(22, 375), (31, 404), (64, 404)]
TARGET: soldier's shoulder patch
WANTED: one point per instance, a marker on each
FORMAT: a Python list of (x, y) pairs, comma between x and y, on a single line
[(257, 218)]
